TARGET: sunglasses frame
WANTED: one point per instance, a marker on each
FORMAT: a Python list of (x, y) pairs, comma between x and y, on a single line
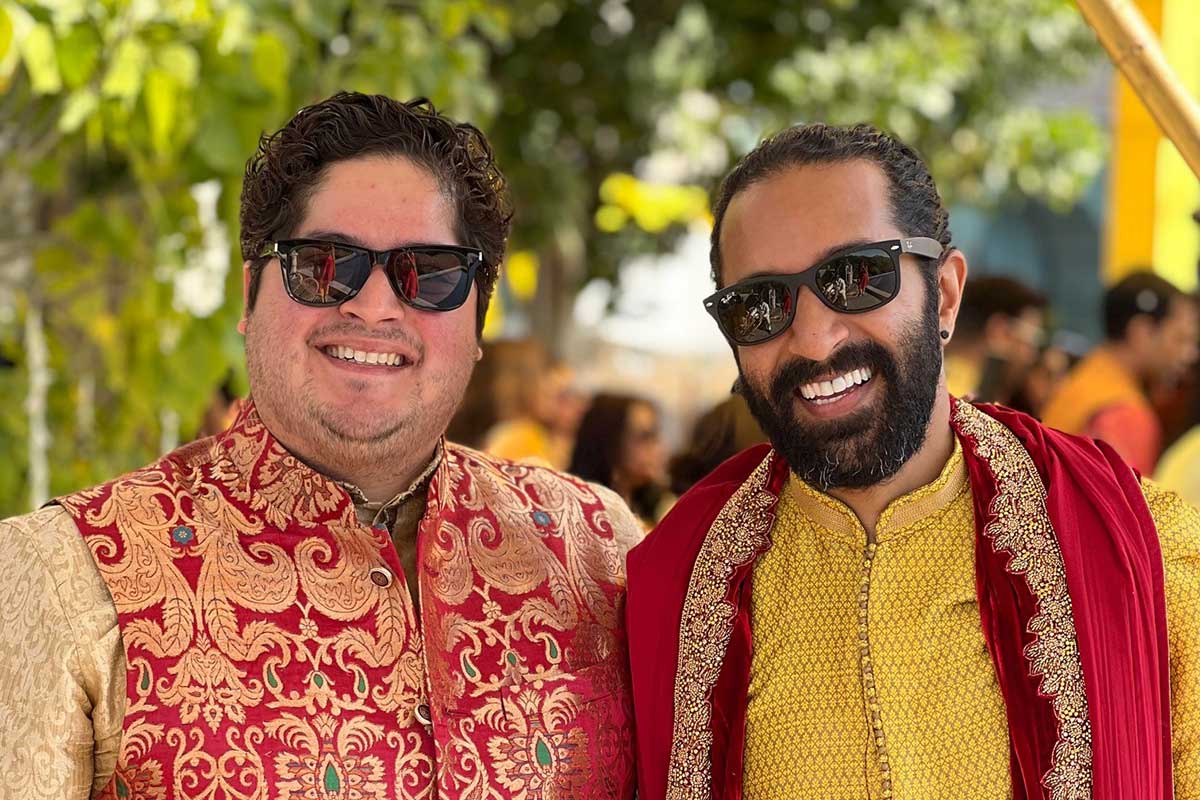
[(284, 251), (921, 246)]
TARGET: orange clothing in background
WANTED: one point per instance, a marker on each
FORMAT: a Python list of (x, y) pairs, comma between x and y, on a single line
[(1101, 399)]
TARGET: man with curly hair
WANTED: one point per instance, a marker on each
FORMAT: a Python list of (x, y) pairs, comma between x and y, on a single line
[(328, 599)]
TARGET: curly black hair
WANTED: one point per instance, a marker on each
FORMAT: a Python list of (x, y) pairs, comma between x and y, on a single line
[(289, 164), (917, 207)]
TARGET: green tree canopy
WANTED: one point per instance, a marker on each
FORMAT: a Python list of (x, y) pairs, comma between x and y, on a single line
[(125, 126)]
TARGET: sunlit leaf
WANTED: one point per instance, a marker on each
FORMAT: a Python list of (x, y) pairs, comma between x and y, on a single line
[(78, 55), (161, 94), (124, 78), (37, 49), (80, 105)]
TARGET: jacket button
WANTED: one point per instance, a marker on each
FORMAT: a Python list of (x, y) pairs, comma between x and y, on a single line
[(421, 712), (381, 577)]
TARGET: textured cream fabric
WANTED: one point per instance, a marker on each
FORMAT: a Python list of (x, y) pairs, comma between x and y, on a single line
[(62, 668), (870, 675)]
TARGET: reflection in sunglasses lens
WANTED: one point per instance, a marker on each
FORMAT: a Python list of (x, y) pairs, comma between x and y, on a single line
[(857, 281)]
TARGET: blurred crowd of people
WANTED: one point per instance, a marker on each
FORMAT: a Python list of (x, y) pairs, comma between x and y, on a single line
[(1139, 390)]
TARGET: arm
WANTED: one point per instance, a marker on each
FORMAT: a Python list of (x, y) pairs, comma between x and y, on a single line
[(1179, 532), (62, 668)]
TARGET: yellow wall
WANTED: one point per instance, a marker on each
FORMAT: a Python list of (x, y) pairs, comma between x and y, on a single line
[(1152, 193)]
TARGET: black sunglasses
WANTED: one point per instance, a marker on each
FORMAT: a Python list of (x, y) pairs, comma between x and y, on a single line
[(429, 277), (852, 281)]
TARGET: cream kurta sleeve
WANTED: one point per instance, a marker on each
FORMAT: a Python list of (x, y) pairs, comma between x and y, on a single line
[(62, 667), (1179, 532)]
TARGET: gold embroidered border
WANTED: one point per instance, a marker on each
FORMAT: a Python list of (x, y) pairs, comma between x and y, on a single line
[(740, 531), (1020, 525)]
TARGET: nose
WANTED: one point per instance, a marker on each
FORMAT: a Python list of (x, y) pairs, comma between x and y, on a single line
[(817, 330), (376, 304)]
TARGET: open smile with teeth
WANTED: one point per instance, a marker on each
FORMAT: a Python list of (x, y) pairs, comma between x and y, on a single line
[(365, 356), (828, 391)]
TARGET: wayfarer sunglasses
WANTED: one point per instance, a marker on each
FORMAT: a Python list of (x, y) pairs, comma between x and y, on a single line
[(429, 277), (852, 281)]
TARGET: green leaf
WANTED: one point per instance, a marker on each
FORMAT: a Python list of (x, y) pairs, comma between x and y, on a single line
[(180, 61), (161, 94), (78, 54), (271, 63), (6, 32), (80, 105), (124, 78), (38, 53)]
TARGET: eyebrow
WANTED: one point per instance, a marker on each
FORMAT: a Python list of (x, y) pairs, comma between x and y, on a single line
[(344, 238), (824, 256)]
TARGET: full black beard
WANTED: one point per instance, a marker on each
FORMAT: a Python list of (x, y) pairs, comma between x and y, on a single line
[(871, 445)]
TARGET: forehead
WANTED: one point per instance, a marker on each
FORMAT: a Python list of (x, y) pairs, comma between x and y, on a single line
[(788, 221), (381, 201)]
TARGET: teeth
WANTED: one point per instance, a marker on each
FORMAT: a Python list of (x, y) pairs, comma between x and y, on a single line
[(363, 356), (823, 389)]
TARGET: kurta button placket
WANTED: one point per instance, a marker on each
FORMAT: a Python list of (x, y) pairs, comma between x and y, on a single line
[(381, 577)]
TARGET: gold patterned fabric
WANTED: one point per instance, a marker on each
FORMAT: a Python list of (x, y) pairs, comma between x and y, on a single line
[(870, 675), (522, 577)]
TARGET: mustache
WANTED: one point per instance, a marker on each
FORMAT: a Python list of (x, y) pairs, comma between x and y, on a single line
[(799, 371), (363, 332)]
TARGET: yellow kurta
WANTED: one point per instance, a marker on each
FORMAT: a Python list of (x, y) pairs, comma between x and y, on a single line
[(870, 675)]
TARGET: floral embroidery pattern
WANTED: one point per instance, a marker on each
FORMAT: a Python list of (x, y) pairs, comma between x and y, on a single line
[(740, 531), (263, 661), (1019, 524)]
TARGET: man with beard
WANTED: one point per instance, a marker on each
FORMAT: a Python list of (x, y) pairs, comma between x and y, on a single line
[(905, 595), (328, 599)]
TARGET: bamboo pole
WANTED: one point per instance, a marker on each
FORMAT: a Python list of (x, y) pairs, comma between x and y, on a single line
[(1136, 52)]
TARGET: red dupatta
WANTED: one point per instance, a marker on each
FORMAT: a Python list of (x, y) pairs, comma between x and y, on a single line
[(1071, 600)]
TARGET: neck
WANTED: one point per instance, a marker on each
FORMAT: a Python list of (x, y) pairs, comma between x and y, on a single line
[(1123, 354), (920, 470), (379, 475)]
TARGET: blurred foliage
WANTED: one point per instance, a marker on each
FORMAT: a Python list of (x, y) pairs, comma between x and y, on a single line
[(125, 126)]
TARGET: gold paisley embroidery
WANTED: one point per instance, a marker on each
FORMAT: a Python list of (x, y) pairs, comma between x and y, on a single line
[(1020, 525), (740, 531)]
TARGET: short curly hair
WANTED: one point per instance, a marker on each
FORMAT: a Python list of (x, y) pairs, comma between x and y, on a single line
[(289, 164), (917, 207)]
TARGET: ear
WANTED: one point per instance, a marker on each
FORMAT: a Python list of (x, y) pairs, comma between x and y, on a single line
[(952, 277), (241, 326)]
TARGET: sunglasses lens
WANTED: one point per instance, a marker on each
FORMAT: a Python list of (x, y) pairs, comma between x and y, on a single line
[(431, 278), (754, 312), (325, 274), (857, 281)]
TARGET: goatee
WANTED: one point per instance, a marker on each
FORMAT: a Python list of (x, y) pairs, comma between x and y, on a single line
[(870, 445)]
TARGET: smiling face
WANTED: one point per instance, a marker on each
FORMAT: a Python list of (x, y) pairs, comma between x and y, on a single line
[(372, 381), (845, 398)]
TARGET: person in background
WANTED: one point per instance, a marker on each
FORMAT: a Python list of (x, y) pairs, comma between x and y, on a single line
[(998, 339), (542, 430), (1042, 379), (720, 433), (1151, 331), (619, 445)]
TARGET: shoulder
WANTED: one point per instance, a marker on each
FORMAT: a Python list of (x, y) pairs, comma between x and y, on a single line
[(1177, 522), (605, 513), (45, 563), (689, 519), (44, 539)]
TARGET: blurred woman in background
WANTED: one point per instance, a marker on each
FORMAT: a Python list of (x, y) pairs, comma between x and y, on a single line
[(619, 445)]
